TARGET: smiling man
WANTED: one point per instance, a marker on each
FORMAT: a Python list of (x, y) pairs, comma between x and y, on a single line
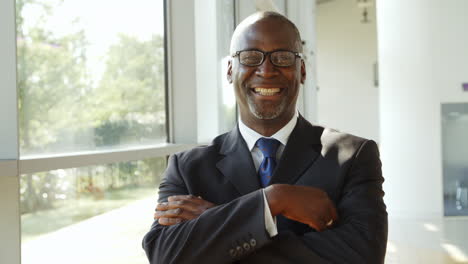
[(276, 189)]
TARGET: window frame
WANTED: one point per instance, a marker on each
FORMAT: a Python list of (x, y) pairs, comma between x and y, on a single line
[(10, 243)]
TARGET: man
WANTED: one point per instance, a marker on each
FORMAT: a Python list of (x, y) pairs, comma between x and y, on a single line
[(322, 200)]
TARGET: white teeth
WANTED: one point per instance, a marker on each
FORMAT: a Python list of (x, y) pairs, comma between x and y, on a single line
[(266, 91)]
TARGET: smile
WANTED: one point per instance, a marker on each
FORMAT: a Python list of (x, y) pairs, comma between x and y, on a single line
[(266, 91)]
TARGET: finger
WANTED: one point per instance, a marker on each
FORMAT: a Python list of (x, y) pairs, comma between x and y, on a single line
[(333, 218), (182, 197), (334, 214), (189, 198), (313, 222), (186, 204), (190, 205), (174, 204), (195, 199), (317, 224), (162, 206), (169, 221), (175, 213)]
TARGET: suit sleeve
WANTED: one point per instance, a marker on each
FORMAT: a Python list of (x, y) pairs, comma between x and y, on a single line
[(360, 236), (222, 234)]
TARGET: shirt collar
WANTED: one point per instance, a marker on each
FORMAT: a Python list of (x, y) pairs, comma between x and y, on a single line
[(251, 136)]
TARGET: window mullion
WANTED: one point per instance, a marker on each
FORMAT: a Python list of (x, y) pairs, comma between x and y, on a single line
[(33, 164), (9, 180)]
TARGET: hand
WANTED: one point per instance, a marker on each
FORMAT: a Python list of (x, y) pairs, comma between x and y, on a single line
[(308, 205), (180, 208)]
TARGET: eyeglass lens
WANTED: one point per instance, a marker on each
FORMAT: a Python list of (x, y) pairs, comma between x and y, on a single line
[(278, 58)]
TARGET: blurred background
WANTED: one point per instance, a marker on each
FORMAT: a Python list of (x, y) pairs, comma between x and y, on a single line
[(95, 95)]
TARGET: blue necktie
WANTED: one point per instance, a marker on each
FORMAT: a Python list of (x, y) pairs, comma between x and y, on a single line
[(268, 146)]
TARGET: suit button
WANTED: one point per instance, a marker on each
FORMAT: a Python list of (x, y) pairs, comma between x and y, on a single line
[(253, 242), (246, 246), (239, 250), (232, 252)]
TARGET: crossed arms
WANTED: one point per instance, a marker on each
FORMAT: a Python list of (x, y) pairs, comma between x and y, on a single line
[(189, 229)]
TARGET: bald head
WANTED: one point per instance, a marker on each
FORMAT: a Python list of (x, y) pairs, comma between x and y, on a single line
[(271, 20)]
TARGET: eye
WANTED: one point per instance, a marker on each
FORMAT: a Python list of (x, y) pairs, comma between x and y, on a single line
[(283, 58), (250, 57)]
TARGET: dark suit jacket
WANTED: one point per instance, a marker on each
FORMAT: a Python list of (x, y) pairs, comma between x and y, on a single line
[(347, 167)]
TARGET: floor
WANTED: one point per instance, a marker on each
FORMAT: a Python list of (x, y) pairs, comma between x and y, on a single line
[(115, 237), (428, 241)]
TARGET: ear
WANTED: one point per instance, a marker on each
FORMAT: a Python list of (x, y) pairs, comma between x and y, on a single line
[(303, 72), (229, 71)]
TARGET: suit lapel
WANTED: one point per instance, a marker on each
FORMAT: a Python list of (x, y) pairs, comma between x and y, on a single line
[(237, 164), (302, 149)]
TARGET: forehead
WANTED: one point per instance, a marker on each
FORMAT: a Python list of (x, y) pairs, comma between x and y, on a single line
[(267, 35)]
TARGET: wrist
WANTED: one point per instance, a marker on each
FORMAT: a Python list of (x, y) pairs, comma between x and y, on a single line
[(273, 195)]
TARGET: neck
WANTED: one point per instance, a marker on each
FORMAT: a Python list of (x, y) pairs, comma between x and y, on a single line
[(267, 127)]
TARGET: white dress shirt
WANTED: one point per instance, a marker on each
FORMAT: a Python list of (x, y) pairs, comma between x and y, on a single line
[(250, 136)]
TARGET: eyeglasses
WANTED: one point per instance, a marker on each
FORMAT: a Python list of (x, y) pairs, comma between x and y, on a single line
[(280, 58)]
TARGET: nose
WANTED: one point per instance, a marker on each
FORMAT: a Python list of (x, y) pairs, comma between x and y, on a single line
[(266, 69)]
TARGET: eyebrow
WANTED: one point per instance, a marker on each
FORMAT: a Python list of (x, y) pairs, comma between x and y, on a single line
[(280, 49)]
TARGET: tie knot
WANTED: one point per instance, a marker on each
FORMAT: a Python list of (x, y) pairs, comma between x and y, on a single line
[(268, 146)]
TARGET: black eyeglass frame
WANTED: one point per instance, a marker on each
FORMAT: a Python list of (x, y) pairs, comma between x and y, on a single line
[(265, 54)]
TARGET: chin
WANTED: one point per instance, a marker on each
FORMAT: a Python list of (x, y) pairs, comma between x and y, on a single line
[(265, 114)]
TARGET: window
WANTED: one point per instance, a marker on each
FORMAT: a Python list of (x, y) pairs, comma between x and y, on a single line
[(91, 79), (94, 214), (90, 74), (455, 158)]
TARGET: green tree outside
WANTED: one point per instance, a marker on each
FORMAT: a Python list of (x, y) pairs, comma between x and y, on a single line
[(64, 107)]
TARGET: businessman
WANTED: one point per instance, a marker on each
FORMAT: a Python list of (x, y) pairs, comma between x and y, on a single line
[(276, 189)]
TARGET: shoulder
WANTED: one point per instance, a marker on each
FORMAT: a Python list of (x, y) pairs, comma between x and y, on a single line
[(344, 144), (328, 138), (332, 137)]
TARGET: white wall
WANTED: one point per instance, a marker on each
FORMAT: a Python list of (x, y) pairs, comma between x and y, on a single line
[(449, 33), (346, 52), (423, 60), (303, 14)]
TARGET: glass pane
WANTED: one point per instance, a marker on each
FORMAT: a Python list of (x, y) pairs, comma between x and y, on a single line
[(455, 158), (89, 215), (90, 74)]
